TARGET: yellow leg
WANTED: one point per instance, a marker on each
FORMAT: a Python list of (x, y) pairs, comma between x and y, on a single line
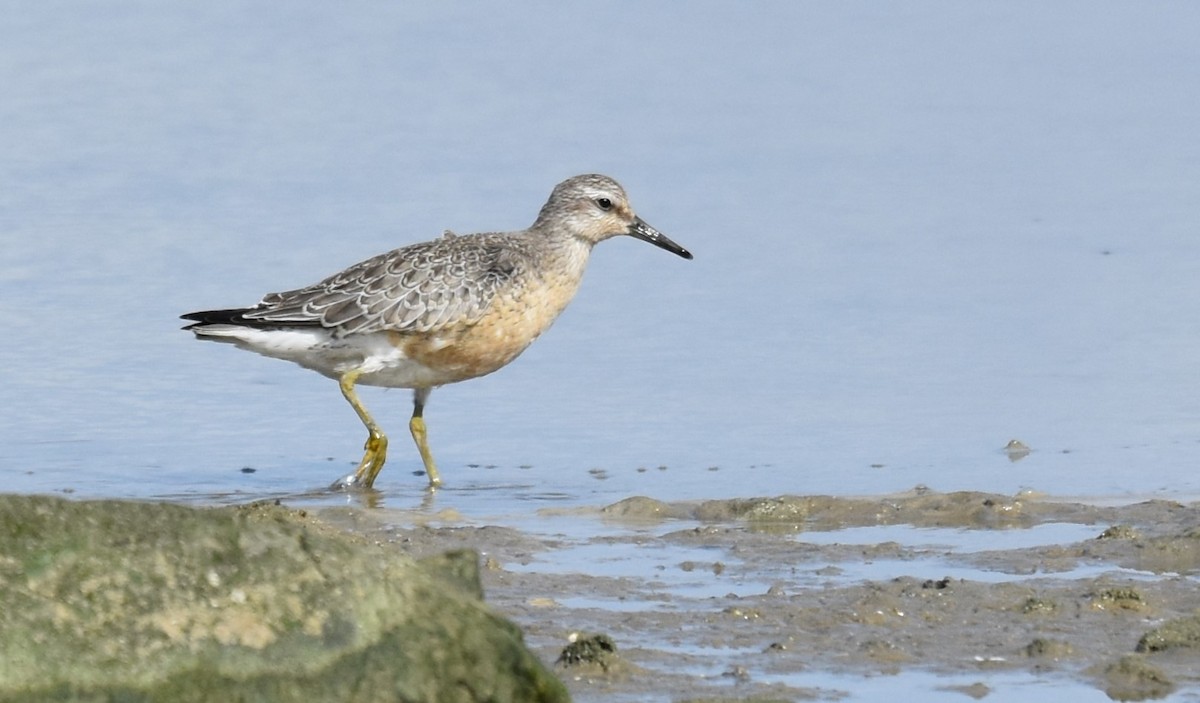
[(375, 453), (417, 426)]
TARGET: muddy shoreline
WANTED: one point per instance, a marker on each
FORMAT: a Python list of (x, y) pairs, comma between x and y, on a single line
[(741, 606)]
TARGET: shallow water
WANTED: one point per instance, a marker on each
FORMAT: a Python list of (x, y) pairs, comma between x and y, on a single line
[(787, 609), (920, 231)]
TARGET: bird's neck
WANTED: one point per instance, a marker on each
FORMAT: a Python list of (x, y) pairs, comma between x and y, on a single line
[(564, 253)]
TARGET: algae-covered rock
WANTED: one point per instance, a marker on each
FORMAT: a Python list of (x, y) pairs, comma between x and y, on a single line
[(109, 600), (1178, 633), (595, 649), (594, 656), (794, 509)]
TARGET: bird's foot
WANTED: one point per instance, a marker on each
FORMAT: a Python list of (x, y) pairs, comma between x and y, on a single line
[(372, 462)]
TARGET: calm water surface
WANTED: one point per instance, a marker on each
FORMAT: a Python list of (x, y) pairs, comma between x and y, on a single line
[(920, 232)]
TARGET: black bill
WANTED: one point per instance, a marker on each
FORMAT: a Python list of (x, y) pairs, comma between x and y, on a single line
[(646, 233)]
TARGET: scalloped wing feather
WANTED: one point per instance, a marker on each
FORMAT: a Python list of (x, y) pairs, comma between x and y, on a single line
[(419, 288)]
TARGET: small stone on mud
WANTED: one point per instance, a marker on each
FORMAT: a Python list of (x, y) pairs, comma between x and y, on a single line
[(743, 613), (597, 650), (1119, 532), (1042, 648), (1114, 599), (1038, 606)]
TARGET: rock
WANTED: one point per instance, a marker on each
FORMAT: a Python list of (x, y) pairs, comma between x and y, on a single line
[(643, 508), (1181, 632), (111, 600), (1043, 648), (593, 656), (593, 649)]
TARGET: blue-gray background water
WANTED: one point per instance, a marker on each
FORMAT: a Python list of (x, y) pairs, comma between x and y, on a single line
[(921, 230)]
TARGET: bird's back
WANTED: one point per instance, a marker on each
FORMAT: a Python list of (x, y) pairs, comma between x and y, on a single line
[(419, 288)]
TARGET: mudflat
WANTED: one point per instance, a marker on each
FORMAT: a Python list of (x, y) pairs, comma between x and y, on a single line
[(800, 597)]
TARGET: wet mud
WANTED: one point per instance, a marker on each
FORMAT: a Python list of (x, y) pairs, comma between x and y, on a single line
[(796, 598)]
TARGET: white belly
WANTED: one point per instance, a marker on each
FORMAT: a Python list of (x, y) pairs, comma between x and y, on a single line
[(381, 362)]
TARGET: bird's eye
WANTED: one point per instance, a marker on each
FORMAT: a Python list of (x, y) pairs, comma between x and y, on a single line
[(604, 203)]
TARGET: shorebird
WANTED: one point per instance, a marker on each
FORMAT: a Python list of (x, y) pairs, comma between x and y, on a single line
[(437, 312)]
